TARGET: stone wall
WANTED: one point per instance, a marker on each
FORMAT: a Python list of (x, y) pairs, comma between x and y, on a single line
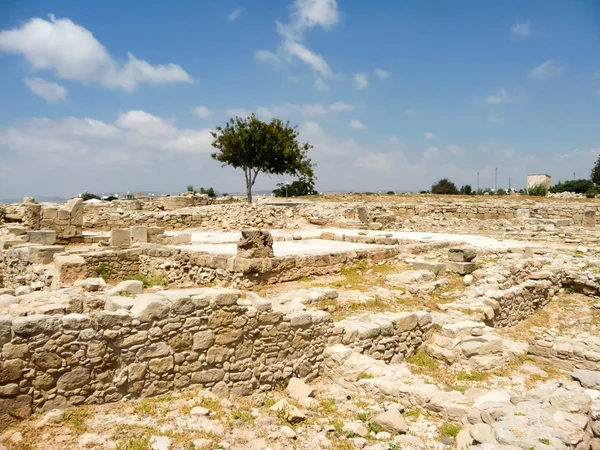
[(207, 337), (66, 220), (566, 353), (388, 337), (28, 265)]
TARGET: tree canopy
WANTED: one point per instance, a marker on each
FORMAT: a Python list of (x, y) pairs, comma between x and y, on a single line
[(256, 146), (595, 176), (444, 186)]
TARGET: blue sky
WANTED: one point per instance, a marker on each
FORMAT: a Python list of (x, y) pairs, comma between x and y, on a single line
[(121, 96)]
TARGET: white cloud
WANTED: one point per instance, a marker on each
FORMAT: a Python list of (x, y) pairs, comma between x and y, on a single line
[(326, 145), (501, 97), (375, 161), (307, 56), (521, 30), (456, 150), (429, 135), (306, 14), (311, 13), (48, 90), (357, 124), (320, 85), (89, 140), (266, 55), (73, 53), (547, 69), (430, 153), (234, 14), (237, 112), (270, 113), (360, 80), (382, 74), (341, 106), (202, 111)]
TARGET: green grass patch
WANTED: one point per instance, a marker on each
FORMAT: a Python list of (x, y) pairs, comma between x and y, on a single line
[(448, 429), (148, 280), (423, 362), (471, 376), (75, 419), (103, 271)]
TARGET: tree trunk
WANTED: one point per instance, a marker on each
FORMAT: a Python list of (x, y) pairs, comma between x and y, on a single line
[(249, 193)]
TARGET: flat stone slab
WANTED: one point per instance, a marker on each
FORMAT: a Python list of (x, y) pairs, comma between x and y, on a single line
[(286, 248)]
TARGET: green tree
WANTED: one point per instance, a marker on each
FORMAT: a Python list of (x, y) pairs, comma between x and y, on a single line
[(256, 146), (466, 190), (596, 172), (211, 192), (444, 186), (190, 188), (298, 188)]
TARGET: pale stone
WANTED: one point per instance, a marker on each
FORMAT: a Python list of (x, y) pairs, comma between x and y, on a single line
[(391, 421), (298, 389)]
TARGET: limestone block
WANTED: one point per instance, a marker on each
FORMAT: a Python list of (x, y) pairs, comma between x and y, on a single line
[(461, 254), (49, 213), (43, 254), (589, 217), (120, 237), (70, 268), (363, 214), (63, 214), (435, 267), (461, 268), (75, 209), (255, 244), (17, 231), (133, 287), (139, 234), (43, 237), (29, 200)]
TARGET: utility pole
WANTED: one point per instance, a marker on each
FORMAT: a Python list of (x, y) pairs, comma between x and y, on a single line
[(496, 180), (477, 181), (509, 185)]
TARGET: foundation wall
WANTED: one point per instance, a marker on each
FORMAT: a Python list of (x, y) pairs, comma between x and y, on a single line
[(206, 337)]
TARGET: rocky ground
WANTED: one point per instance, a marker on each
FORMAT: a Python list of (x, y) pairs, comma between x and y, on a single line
[(481, 379)]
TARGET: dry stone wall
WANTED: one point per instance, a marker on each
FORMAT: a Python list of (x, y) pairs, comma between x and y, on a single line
[(154, 343), (566, 353), (390, 337)]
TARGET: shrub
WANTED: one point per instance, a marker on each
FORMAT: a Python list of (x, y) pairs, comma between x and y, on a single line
[(190, 188), (390, 193), (87, 196), (211, 192), (2, 215), (103, 271), (538, 190), (577, 186), (592, 193), (501, 192), (111, 198), (444, 186)]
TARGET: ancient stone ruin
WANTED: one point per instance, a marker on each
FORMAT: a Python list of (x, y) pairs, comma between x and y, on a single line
[(381, 324)]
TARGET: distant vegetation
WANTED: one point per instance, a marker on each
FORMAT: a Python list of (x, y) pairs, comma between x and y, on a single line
[(210, 191), (445, 187), (303, 186), (578, 186)]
